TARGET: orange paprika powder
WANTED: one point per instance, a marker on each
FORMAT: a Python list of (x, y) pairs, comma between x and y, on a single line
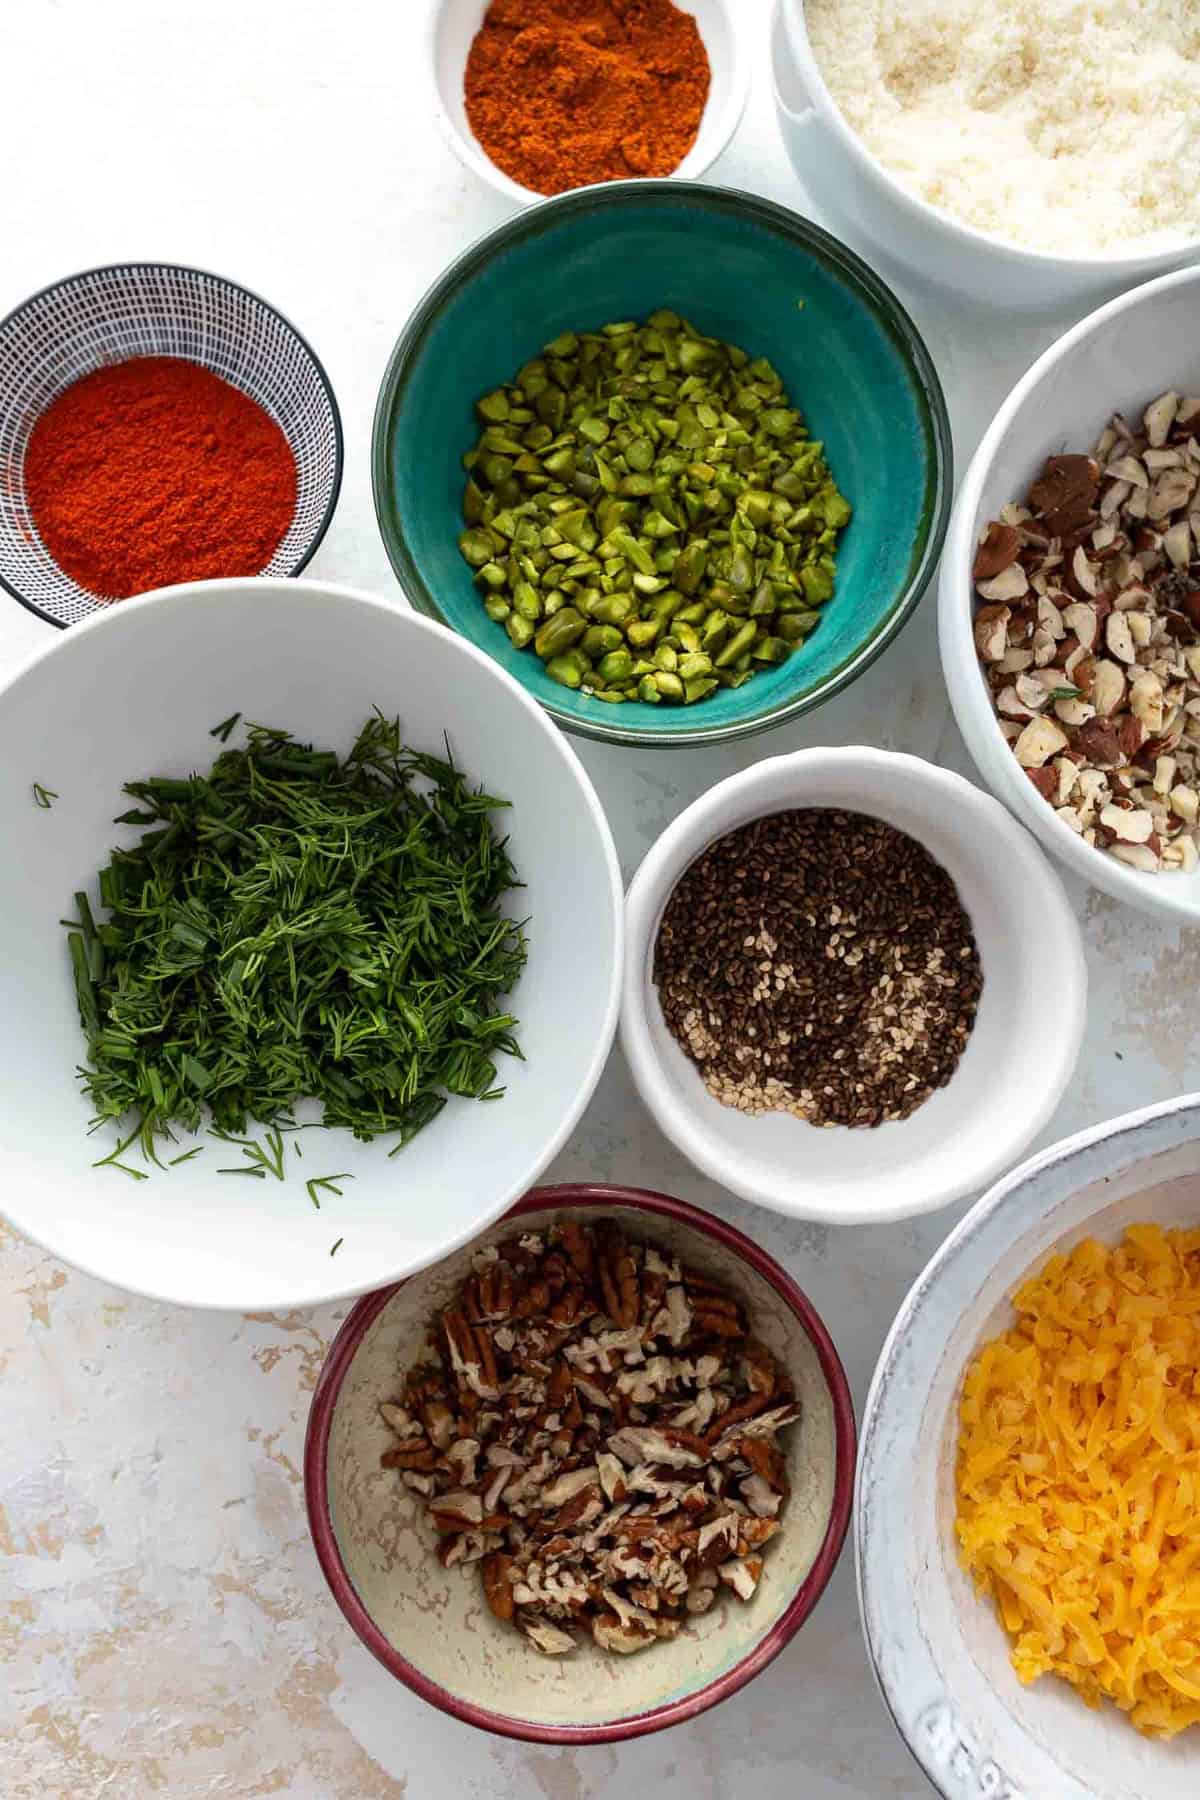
[(561, 93), (154, 471)]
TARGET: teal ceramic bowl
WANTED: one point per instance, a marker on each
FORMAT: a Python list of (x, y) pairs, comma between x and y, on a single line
[(741, 269)]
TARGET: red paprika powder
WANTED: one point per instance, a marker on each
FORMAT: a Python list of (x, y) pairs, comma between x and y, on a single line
[(154, 471), (561, 93)]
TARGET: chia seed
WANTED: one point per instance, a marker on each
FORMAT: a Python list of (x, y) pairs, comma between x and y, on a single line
[(819, 963)]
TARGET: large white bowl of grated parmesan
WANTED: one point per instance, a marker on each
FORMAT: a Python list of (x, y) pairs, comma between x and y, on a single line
[(1027, 153)]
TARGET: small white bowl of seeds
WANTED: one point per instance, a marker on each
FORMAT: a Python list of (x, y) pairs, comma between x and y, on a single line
[(854, 988), (1070, 600)]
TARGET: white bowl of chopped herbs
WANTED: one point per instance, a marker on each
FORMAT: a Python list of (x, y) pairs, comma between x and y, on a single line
[(854, 988), (297, 883)]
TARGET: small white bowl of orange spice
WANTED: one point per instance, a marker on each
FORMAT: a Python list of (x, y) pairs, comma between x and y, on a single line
[(1029, 1588), (539, 96)]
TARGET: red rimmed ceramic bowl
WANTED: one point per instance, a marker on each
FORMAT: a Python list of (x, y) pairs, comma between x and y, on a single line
[(431, 1627)]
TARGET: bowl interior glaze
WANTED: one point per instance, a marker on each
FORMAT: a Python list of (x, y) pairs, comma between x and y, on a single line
[(432, 1628), (743, 270)]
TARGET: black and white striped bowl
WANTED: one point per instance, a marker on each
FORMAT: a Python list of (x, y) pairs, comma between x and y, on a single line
[(125, 310)]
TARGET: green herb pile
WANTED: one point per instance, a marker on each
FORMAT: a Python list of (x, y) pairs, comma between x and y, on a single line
[(646, 509), (293, 926)]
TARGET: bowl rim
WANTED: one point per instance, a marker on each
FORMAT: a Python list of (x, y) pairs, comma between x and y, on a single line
[(186, 593), (226, 281), (1023, 861), (1177, 1119), (1117, 265), (472, 155), (571, 1196), (1151, 893), (892, 318)]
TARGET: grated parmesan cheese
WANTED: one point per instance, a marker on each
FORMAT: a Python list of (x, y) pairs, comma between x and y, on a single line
[(1079, 1476), (1069, 126)]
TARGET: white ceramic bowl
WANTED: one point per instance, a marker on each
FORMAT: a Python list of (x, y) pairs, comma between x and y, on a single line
[(454, 24), (1020, 1054), (856, 194), (939, 1652), (1117, 359), (134, 691), (376, 1549)]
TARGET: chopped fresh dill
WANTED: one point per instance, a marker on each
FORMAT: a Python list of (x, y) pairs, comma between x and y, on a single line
[(134, 1174), (43, 796), (265, 1158), (329, 1182), (225, 729), (186, 1157), (337, 1246), (118, 1150), (295, 925)]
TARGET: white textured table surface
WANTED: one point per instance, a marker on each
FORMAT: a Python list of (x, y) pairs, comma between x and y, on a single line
[(164, 1626)]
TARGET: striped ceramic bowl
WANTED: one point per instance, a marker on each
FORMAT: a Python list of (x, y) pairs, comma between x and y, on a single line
[(111, 314)]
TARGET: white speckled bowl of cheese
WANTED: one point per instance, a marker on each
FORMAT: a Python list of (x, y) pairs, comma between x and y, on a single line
[(1027, 154), (937, 1647)]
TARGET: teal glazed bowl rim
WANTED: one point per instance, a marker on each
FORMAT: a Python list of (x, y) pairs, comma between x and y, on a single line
[(618, 725)]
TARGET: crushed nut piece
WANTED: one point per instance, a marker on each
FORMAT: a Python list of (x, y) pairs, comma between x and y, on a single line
[(1088, 632), (602, 1506)]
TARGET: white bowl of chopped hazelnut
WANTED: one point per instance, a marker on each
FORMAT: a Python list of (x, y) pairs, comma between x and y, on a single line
[(609, 1449), (1070, 599), (835, 996)]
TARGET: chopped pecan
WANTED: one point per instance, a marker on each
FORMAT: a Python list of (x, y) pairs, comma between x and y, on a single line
[(496, 1585), (715, 1313), (570, 1305), (577, 1243), (618, 1279), (471, 1352), (492, 1292), (749, 1408), (597, 1427), (574, 1511), (439, 1422), (561, 1383), (759, 1367), (765, 1460), (415, 1454), (532, 1300)]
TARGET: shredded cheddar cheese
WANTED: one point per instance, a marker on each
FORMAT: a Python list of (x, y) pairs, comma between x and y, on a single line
[(1079, 1476)]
